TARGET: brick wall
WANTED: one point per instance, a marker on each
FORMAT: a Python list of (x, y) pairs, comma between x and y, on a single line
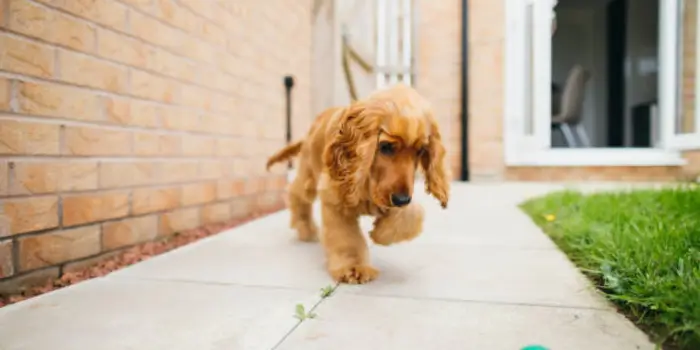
[(125, 121), (689, 71), (438, 68), (439, 57)]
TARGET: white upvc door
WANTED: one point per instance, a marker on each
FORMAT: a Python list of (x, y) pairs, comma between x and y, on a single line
[(528, 73), (680, 124), (528, 78)]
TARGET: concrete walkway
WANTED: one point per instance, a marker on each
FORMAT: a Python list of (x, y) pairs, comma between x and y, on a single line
[(482, 276)]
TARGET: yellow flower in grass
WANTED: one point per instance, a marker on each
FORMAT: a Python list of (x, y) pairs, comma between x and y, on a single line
[(550, 217)]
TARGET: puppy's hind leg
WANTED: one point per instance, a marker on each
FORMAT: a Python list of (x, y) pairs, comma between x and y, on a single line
[(302, 194)]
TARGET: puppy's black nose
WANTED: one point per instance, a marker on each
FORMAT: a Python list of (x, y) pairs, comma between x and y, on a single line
[(400, 199)]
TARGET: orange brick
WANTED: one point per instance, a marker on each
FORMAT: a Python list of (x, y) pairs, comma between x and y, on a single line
[(80, 209), (130, 112), (211, 169), (212, 78), (229, 64), (57, 101), (4, 177), (212, 34), (216, 213), (193, 96), (179, 220), (174, 119), (243, 167), (195, 49), (178, 171), (193, 145), (121, 48), (81, 69), (40, 22), (198, 193), (150, 144), (230, 167), (242, 207), (152, 87), (31, 19), (149, 200), (117, 110), (58, 247), (125, 174), (226, 189), (107, 12), (86, 141), (47, 177), (202, 9), (146, 114), (30, 214), (145, 5), (266, 202), (155, 32), (172, 65), (177, 16), (4, 94), (226, 104), (129, 232), (229, 147), (7, 267), (28, 138), (256, 185), (25, 57)]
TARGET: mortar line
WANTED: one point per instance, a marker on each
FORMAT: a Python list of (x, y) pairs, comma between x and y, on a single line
[(485, 302)]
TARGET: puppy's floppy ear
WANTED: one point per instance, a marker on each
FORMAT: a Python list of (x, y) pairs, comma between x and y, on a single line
[(437, 182), (351, 149)]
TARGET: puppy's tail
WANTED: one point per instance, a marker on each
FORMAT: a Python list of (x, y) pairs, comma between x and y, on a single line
[(286, 153)]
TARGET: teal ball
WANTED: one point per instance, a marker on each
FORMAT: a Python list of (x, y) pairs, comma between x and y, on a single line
[(534, 347)]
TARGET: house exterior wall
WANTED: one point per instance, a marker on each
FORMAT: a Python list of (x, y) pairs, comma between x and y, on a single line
[(123, 121), (438, 69), (438, 61)]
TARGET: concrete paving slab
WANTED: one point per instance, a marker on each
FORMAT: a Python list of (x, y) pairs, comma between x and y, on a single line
[(116, 314), (288, 264), (483, 228), (347, 322), (481, 272), (488, 274), (263, 253)]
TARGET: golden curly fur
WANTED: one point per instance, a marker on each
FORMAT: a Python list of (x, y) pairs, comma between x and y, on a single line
[(361, 160)]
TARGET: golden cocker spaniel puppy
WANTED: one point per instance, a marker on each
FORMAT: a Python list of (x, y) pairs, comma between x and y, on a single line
[(361, 160)]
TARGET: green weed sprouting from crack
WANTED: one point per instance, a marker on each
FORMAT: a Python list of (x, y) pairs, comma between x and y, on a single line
[(301, 313), (327, 291)]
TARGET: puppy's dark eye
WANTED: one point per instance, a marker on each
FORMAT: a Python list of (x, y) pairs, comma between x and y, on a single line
[(386, 148), (421, 151)]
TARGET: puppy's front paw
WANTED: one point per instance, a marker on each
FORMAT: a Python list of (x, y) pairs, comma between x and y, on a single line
[(398, 226), (355, 274)]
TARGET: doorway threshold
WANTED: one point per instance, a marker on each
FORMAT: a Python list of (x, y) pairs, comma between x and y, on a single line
[(598, 157)]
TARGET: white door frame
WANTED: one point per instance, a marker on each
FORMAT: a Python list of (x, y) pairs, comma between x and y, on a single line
[(534, 148), (670, 82)]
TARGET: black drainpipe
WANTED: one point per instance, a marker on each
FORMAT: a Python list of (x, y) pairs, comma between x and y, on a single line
[(464, 175), (288, 85)]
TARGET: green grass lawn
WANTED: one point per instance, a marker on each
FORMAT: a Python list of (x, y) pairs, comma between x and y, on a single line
[(641, 248)]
